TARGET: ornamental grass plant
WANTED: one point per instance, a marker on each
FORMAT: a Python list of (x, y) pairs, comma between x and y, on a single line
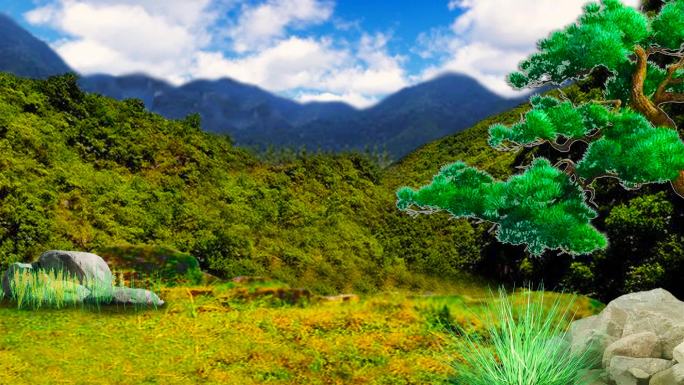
[(57, 289), (525, 345)]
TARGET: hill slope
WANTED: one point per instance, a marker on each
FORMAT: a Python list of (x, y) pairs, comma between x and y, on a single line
[(81, 171)]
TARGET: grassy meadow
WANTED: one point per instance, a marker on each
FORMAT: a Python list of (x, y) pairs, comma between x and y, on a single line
[(214, 334)]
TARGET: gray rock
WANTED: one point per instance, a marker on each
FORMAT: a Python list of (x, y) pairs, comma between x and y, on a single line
[(640, 345), (588, 336), (559, 344), (129, 296), (621, 369), (678, 353), (9, 274), (593, 377), (671, 376), (90, 269), (656, 311), (639, 374)]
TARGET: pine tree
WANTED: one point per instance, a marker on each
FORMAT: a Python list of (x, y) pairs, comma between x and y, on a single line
[(629, 134)]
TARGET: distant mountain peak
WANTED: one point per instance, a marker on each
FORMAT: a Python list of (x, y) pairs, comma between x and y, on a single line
[(24, 55)]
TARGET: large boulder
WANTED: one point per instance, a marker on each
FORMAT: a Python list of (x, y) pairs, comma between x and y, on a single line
[(90, 269), (9, 274), (637, 338)]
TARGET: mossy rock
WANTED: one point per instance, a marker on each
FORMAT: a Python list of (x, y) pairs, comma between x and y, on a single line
[(168, 265)]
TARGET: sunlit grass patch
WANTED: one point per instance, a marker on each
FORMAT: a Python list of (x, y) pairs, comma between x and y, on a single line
[(206, 335)]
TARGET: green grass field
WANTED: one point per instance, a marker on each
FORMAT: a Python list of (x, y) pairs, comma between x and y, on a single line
[(208, 335)]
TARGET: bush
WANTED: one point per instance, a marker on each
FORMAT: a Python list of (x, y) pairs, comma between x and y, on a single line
[(168, 265)]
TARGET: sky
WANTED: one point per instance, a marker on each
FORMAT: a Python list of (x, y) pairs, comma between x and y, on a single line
[(355, 51)]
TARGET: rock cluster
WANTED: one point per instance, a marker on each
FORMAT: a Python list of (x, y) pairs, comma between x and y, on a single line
[(93, 274), (638, 339)]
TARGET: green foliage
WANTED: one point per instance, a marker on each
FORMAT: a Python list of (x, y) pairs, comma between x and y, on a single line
[(550, 119), (541, 208), (634, 150), (606, 35), (81, 171), (667, 25), (603, 36), (621, 144), (526, 347), (168, 265)]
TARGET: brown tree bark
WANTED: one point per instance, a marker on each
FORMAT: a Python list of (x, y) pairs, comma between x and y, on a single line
[(649, 109)]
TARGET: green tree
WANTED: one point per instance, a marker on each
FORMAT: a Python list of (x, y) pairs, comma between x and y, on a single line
[(629, 134)]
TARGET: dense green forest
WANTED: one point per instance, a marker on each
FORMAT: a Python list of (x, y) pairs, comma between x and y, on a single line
[(81, 171)]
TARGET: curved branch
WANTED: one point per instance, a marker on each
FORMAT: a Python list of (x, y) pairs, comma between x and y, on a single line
[(414, 213), (617, 103), (565, 147), (660, 95), (664, 51), (639, 101)]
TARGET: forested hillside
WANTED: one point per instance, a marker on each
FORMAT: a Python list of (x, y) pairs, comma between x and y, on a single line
[(81, 171)]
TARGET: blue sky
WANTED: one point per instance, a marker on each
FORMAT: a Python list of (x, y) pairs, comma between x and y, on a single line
[(348, 50)]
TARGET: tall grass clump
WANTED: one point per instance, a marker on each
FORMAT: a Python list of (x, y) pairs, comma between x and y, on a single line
[(57, 289), (524, 346)]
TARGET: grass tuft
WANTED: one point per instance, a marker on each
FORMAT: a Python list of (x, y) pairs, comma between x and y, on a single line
[(56, 289), (525, 346)]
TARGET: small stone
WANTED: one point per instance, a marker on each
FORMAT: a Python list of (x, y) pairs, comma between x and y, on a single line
[(640, 345), (128, 296), (671, 376), (621, 368), (639, 374), (678, 353)]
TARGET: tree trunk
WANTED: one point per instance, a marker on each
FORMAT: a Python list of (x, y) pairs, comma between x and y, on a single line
[(678, 184), (649, 109)]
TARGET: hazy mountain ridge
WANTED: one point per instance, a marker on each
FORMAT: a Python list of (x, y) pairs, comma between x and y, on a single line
[(252, 116)]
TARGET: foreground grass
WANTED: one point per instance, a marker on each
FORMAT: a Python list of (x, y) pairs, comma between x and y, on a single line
[(207, 336)]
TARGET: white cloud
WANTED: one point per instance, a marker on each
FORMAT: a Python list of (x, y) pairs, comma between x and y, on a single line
[(490, 37), (291, 63), (358, 76), (173, 39), (125, 36), (487, 64), (355, 99), (259, 25)]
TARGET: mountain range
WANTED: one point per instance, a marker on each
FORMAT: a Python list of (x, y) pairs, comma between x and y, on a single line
[(254, 117)]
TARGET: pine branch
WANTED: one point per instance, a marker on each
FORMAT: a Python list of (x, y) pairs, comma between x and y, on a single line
[(415, 213), (617, 103), (664, 51), (660, 95), (565, 147)]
